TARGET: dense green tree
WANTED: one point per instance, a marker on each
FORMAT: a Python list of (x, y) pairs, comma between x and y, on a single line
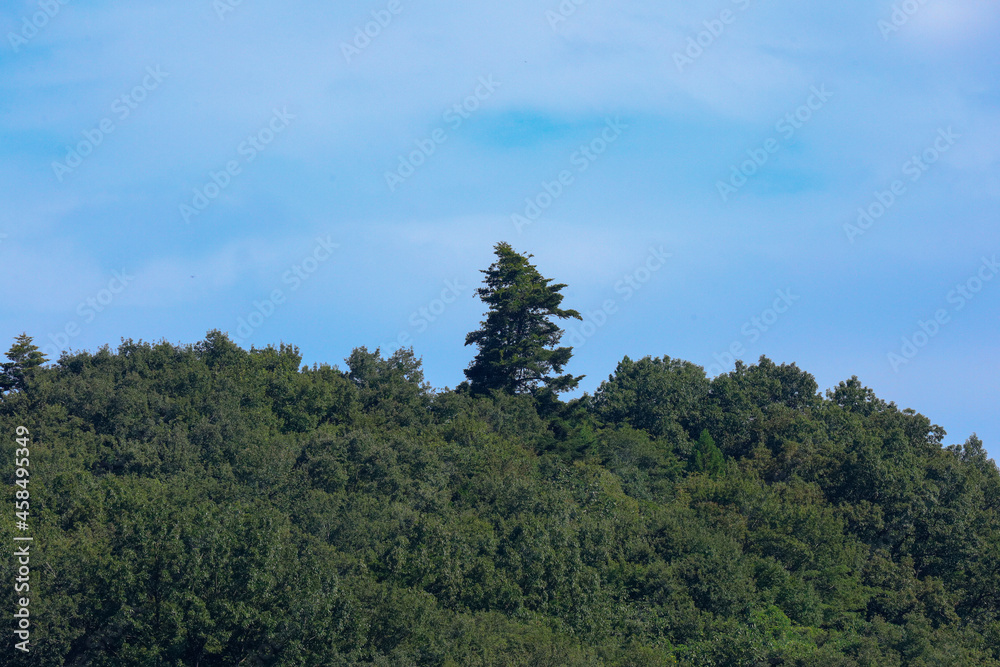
[(24, 357), (661, 395), (516, 342), (393, 388), (706, 457), (973, 453)]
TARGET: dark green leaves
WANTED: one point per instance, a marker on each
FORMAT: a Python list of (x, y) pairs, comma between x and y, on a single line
[(517, 341)]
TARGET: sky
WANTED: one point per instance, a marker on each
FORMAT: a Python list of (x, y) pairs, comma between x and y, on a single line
[(817, 182)]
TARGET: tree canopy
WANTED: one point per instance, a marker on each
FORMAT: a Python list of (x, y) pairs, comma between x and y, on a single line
[(209, 505)]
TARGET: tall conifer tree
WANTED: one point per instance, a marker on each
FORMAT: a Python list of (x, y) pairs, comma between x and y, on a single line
[(517, 341), (24, 357)]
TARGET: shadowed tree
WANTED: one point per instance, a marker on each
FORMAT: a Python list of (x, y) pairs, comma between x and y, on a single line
[(707, 458), (517, 341)]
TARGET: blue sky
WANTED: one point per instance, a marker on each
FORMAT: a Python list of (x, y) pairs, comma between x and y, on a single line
[(817, 182)]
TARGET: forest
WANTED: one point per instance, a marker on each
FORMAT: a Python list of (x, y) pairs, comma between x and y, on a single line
[(204, 504)]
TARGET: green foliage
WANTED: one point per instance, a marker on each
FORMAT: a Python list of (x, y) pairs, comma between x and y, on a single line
[(517, 341), (707, 458), (209, 505), (24, 357), (663, 396), (392, 388)]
